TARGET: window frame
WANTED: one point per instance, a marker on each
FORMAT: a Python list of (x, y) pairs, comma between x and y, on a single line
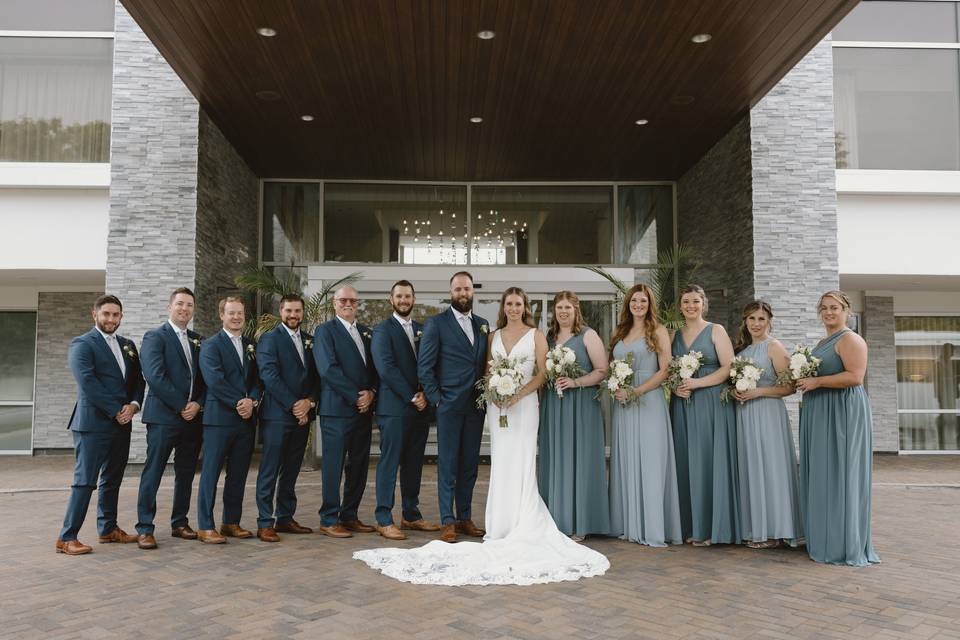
[(25, 403)]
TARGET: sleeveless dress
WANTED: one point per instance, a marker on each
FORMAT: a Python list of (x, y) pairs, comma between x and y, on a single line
[(523, 545), (705, 438), (836, 456), (644, 502), (573, 461), (769, 503)]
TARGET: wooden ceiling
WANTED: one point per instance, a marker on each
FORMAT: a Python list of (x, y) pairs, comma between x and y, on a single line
[(392, 84)]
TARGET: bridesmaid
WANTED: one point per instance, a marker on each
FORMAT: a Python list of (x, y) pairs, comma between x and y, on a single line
[(770, 508), (705, 430), (836, 443), (644, 503), (573, 465)]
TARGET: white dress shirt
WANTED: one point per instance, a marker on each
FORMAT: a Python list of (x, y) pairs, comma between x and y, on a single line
[(297, 342), (407, 325), (237, 341), (352, 330), (114, 345), (466, 323), (185, 345)]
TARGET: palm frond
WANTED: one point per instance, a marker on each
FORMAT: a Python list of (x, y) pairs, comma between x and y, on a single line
[(262, 281), (609, 277), (319, 306)]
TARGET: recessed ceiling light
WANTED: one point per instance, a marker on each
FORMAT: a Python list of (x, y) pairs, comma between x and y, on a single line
[(307, 118), (476, 119), (641, 122), (486, 34), (266, 32), (700, 38), (268, 95)]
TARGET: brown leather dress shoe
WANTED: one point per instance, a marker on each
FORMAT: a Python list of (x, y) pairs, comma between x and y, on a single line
[(72, 547), (292, 527), (146, 541), (419, 525), (391, 532), (234, 531), (357, 527), (184, 532), (448, 533), (335, 531), (268, 534), (210, 536), (467, 528), (117, 535)]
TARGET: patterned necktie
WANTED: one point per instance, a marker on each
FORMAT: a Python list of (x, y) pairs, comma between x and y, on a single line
[(467, 328), (186, 354), (298, 343), (115, 349), (356, 339), (238, 345), (408, 329)]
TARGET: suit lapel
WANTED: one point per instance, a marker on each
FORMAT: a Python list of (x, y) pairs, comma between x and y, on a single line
[(345, 335), (398, 330), (284, 336), (457, 329), (226, 345), (174, 341), (105, 349)]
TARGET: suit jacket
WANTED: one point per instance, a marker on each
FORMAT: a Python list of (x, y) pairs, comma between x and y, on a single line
[(285, 378), (396, 364), (228, 380), (102, 389), (165, 370), (449, 366), (343, 375)]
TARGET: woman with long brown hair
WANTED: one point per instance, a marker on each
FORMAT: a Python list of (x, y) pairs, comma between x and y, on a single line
[(644, 501), (573, 465)]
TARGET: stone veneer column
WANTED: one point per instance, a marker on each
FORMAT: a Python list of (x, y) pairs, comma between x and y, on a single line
[(879, 331)]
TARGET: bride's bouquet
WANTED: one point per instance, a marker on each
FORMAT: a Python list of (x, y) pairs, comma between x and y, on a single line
[(501, 384), (619, 375), (802, 365), (744, 375), (561, 363), (682, 368)]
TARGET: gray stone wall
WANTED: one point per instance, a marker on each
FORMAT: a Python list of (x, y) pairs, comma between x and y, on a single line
[(60, 318), (881, 383), (227, 229)]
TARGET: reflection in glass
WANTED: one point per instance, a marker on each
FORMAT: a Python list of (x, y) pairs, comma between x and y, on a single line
[(897, 109), (900, 22), (646, 222), (58, 15), (15, 428), (55, 99), (18, 331), (291, 222)]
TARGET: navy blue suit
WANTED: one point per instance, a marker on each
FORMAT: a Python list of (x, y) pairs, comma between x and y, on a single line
[(173, 384), (286, 379), (449, 367), (403, 429), (226, 436), (101, 444), (344, 431)]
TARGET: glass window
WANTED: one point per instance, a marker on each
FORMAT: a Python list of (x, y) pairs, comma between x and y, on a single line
[(18, 330), (15, 428), (645, 221), (928, 382), (58, 15), (291, 222), (55, 99), (405, 223), (541, 225), (900, 22), (897, 109)]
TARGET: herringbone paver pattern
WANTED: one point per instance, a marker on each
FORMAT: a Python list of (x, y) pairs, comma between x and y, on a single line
[(309, 587)]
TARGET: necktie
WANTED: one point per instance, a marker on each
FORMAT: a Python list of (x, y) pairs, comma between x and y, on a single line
[(356, 339), (467, 328), (186, 354), (298, 343), (238, 345), (115, 348), (408, 329)]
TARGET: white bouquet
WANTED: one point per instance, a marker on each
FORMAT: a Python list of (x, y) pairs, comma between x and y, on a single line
[(561, 363), (744, 375), (619, 375), (503, 381), (802, 365), (682, 368)]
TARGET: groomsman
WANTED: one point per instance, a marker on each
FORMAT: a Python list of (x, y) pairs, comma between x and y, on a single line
[(170, 356), (348, 383), (291, 389), (229, 369), (401, 416), (109, 392)]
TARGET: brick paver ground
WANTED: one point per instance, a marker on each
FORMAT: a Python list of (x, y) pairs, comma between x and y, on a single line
[(310, 587)]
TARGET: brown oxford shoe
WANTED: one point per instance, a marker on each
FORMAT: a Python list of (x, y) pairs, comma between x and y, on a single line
[(448, 533), (234, 531), (210, 536), (184, 532), (146, 541), (117, 535), (391, 532), (292, 527), (268, 534), (335, 531), (419, 525), (467, 528), (357, 527), (72, 547)]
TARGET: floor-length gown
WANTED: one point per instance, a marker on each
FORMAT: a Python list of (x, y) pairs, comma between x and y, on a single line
[(523, 545)]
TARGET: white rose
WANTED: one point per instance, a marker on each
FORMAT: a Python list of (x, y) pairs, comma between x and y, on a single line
[(686, 372), (742, 385), (569, 357), (797, 361), (612, 384), (494, 381), (733, 374), (506, 386), (550, 366), (622, 370), (751, 373)]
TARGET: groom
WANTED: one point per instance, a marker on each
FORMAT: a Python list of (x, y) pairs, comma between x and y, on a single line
[(452, 354)]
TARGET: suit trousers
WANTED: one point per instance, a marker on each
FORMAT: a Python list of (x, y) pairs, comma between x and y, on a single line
[(102, 454), (233, 447), (283, 447), (162, 440), (402, 442), (346, 453), (458, 445)]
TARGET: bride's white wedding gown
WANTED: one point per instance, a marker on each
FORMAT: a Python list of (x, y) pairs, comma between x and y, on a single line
[(522, 545)]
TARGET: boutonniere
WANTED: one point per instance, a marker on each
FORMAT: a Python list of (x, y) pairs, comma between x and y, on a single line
[(195, 342), (307, 343), (484, 329), (127, 349), (417, 336), (366, 335), (251, 352)]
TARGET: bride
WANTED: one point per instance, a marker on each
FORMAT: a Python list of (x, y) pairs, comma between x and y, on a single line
[(522, 544)]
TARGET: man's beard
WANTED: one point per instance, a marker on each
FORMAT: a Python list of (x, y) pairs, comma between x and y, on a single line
[(461, 305), (103, 327), (400, 312), (292, 323)]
